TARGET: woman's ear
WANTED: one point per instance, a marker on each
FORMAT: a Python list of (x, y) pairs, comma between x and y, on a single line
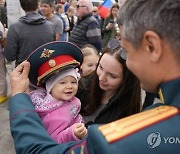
[(152, 42)]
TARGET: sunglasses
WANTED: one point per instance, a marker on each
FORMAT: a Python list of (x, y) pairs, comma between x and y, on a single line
[(77, 6), (114, 44)]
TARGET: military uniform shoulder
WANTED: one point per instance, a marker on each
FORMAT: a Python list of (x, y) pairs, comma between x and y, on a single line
[(124, 127)]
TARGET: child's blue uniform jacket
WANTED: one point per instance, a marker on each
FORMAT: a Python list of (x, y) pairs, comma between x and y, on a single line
[(156, 130)]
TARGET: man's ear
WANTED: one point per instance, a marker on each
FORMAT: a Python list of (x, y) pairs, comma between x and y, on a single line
[(152, 43)]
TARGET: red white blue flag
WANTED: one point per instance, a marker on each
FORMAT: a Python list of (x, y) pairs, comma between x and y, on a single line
[(105, 7)]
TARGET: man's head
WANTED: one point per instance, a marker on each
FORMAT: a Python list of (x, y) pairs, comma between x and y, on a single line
[(47, 7), (150, 34), (95, 10), (29, 5), (84, 7)]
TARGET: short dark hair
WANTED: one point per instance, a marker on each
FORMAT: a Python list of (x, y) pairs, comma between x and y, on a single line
[(49, 2), (29, 5)]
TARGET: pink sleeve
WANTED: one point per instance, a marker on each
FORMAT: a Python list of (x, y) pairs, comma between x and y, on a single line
[(65, 136), (58, 125), (79, 118)]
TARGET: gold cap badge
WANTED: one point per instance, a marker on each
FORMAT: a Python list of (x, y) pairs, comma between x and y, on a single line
[(46, 53)]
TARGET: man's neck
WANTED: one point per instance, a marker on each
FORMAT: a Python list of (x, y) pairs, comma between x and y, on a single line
[(27, 12), (50, 16)]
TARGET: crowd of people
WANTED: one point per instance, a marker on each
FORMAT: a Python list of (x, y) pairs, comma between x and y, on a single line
[(88, 75), (48, 20)]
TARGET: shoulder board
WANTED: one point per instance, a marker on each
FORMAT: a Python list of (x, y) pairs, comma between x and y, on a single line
[(119, 129)]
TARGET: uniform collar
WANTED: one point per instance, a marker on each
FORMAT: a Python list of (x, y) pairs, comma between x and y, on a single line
[(169, 92)]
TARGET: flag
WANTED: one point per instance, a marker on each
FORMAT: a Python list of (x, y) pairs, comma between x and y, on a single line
[(105, 7)]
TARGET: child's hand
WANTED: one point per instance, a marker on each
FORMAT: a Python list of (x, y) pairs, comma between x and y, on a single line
[(80, 130)]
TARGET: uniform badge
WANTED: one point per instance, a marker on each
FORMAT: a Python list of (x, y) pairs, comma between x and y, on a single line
[(46, 53), (52, 63)]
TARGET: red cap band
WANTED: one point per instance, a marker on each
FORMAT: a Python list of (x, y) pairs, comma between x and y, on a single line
[(54, 64)]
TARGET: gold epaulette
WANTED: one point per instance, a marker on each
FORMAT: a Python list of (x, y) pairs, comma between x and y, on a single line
[(121, 128)]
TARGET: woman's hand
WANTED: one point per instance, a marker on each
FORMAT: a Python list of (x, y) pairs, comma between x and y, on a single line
[(109, 26)]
